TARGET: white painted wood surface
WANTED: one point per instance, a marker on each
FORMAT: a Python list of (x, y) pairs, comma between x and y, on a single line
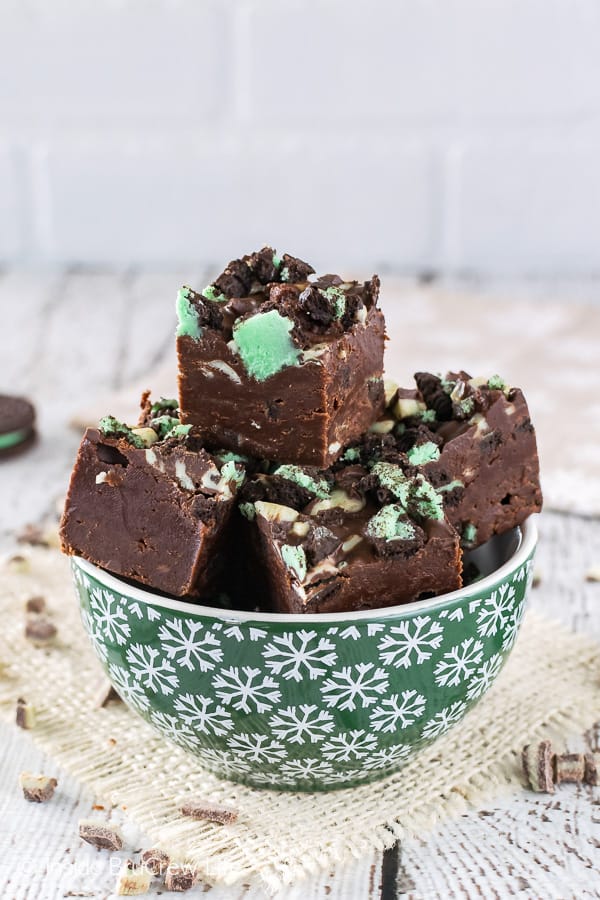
[(70, 336)]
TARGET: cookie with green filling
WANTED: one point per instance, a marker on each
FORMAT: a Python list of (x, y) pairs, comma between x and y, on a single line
[(17, 425), (277, 364)]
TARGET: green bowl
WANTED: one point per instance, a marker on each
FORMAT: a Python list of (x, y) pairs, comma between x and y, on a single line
[(311, 702)]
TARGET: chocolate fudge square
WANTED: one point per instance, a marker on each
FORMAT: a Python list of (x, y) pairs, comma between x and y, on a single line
[(150, 504), (474, 441), (365, 539), (278, 367)]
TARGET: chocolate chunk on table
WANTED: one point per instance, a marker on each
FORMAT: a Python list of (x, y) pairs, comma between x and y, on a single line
[(473, 440), (277, 367), (149, 503), (371, 538)]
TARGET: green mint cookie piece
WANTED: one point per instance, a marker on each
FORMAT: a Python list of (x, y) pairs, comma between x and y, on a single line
[(211, 293), (352, 454), (163, 425), (467, 406), (264, 344), (427, 415), (390, 524), (425, 500), (423, 453), (393, 478), (276, 260), (469, 534), (179, 431), (111, 427), (164, 403), (496, 383), (248, 511), (295, 559), (336, 296), (225, 456), (230, 473), (187, 316), (319, 487), (12, 438)]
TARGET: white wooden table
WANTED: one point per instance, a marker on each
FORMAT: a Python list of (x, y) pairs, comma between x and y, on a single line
[(70, 336)]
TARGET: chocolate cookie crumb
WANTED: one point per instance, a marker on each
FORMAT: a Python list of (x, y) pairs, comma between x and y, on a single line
[(36, 604), (157, 861), (103, 835), (180, 878), (37, 788), (40, 630), (25, 715), (592, 764), (537, 762), (569, 767), (210, 812)]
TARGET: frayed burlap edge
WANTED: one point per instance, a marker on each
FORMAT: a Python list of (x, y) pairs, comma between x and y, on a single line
[(549, 686)]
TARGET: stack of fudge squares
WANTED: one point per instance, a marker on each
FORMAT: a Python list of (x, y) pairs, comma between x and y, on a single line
[(289, 476)]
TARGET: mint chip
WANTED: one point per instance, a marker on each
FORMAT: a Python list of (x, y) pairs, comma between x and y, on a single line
[(264, 344), (187, 316)]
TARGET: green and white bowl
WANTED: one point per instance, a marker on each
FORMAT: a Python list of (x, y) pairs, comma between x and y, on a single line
[(312, 702)]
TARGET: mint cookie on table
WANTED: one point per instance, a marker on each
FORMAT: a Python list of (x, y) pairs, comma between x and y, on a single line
[(17, 425), (277, 366)]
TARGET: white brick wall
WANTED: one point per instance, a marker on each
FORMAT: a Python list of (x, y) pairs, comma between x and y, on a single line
[(409, 135)]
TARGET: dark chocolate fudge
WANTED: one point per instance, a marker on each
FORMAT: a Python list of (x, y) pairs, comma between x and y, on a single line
[(473, 440), (149, 503), (350, 540), (279, 367)]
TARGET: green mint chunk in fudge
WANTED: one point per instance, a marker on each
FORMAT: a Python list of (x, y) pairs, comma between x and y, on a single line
[(394, 480), (421, 454), (163, 425), (469, 534), (426, 500), (212, 293), (187, 316), (390, 524), (318, 486), (111, 427), (164, 403), (264, 344), (295, 559)]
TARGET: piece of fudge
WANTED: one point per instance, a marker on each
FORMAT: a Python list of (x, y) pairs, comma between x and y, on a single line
[(149, 503), (473, 440), (349, 540), (278, 367)]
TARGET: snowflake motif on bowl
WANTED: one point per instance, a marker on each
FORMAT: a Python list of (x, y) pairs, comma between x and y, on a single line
[(190, 645), (220, 761), (360, 684), (395, 713), (195, 710), (484, 676), (110, 618), (128, 689), (411, 641), (245, 688), (95, 635), (256, 748), (176, 730), (153, 671), (387, 757), (512, 627), (302, 724), (494, 612), (305, 769), (458, 663), (349, 745), (442, 720), (293, 655)]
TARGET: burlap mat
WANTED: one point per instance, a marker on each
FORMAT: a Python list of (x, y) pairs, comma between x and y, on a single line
[(550, 349), (549, 686)]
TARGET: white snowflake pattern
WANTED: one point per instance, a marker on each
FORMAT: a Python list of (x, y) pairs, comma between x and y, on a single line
[(257, 748), (442, 720), (234, 631), (397, 713), (94, 634), (110, 617), (224, 761), (189, 645), (138, 611), (458, 663), (512, 626), (305, 769), (155, 672), (195, 710), (495, 611), (128, 688), (418, 637), (349, 745), (484, 676), (387, 756), (175, 729), (299, 724), (293, 653), (245, 688), (361, 682)]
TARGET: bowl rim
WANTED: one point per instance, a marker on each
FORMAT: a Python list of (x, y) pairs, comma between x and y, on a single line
[(529, 537)]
